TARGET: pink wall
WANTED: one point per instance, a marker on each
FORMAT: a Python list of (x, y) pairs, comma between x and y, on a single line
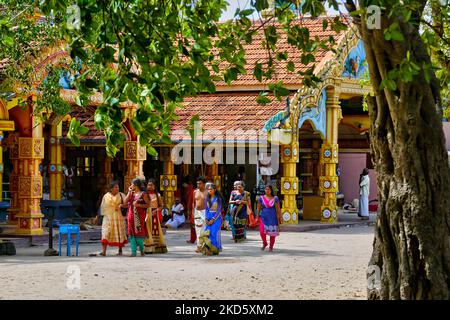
[(446, 126), (351, 165)]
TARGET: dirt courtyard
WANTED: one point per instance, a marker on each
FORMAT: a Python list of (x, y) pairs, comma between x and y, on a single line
[(322, 264)]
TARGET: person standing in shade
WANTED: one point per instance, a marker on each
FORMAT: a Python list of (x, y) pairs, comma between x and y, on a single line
[(364, 186), (138, 203), (241, 202), (228, 216), (113, 224), (268, 208)]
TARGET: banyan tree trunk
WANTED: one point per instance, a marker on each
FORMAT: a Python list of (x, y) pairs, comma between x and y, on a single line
[(411, 248)]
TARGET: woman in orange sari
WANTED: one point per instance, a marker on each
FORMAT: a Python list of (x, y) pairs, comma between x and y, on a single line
[(155, 242)]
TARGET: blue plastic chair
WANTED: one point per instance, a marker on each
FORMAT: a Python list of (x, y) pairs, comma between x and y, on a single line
[(69, 229)]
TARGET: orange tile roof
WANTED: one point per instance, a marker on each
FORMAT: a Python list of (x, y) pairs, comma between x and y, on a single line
[(85, 116), (256, 52), (226, 111)]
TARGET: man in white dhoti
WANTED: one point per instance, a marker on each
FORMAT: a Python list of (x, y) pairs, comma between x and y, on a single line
[(178, 217), (364, 186), (199, 209)]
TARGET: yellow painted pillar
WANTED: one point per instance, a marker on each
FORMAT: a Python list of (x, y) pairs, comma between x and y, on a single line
[(328, 183), (317, 168), (168, 183), (55, 167), (1, 167), (13, 210), (31, 153), (289, 182), (135, 155)]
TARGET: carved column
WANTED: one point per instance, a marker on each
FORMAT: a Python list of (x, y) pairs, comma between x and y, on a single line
[(289, 182), (13, 211), (55, 167), (168, 181), (217, 179), (328, 183), (31, 153), (109, 176), (1, 166), (135, 155)]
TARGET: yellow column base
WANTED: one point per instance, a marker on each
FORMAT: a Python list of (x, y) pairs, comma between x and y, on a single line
[(289, 215), (329, 214), (30, 224)]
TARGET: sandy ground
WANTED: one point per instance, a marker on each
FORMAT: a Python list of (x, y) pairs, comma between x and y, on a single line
[(323, 264)]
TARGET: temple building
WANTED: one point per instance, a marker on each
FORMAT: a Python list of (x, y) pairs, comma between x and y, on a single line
[(320, 134)]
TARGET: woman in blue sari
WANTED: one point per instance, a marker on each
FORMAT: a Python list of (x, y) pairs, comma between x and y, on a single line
[(210, 239), (240, 201)]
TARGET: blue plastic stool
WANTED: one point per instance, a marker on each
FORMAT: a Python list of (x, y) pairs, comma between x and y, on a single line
[(69, 229)]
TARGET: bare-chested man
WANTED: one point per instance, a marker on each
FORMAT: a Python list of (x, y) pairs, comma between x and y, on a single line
[(199, 208)]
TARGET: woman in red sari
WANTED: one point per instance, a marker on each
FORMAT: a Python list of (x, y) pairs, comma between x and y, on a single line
[(138, 202)]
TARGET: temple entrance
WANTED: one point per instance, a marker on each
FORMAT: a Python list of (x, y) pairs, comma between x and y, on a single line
[(85, 178)]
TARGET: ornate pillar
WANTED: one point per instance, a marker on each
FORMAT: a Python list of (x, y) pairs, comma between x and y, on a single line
[(13, 210), (289, 182), (1, 166), (55, 167), (168, 181), (328, 183), (109, 176), (31, 153), (135, 155), (216, 178)]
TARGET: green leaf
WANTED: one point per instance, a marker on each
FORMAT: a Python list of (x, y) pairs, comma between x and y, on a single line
[(391, 85), (166, 139), (82, 130), (152, 151), (290, 66), (263, 100), (324, 24), (246, 12), (397, 36), (408, 15), (258, 72), (387, 35), (8, 41), (282, 55), (261, 5), (75, 140)]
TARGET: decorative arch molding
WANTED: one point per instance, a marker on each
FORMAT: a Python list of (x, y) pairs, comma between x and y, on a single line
[(334, 61), (334, 64), (314, 111), (308, 102), (54, 55)]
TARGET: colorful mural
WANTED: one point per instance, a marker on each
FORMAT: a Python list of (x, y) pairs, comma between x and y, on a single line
[(317, 115), (355, 63)]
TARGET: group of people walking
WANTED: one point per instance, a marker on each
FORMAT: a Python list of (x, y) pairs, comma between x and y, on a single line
[(136, 217), (206, 217), (141, 207)]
